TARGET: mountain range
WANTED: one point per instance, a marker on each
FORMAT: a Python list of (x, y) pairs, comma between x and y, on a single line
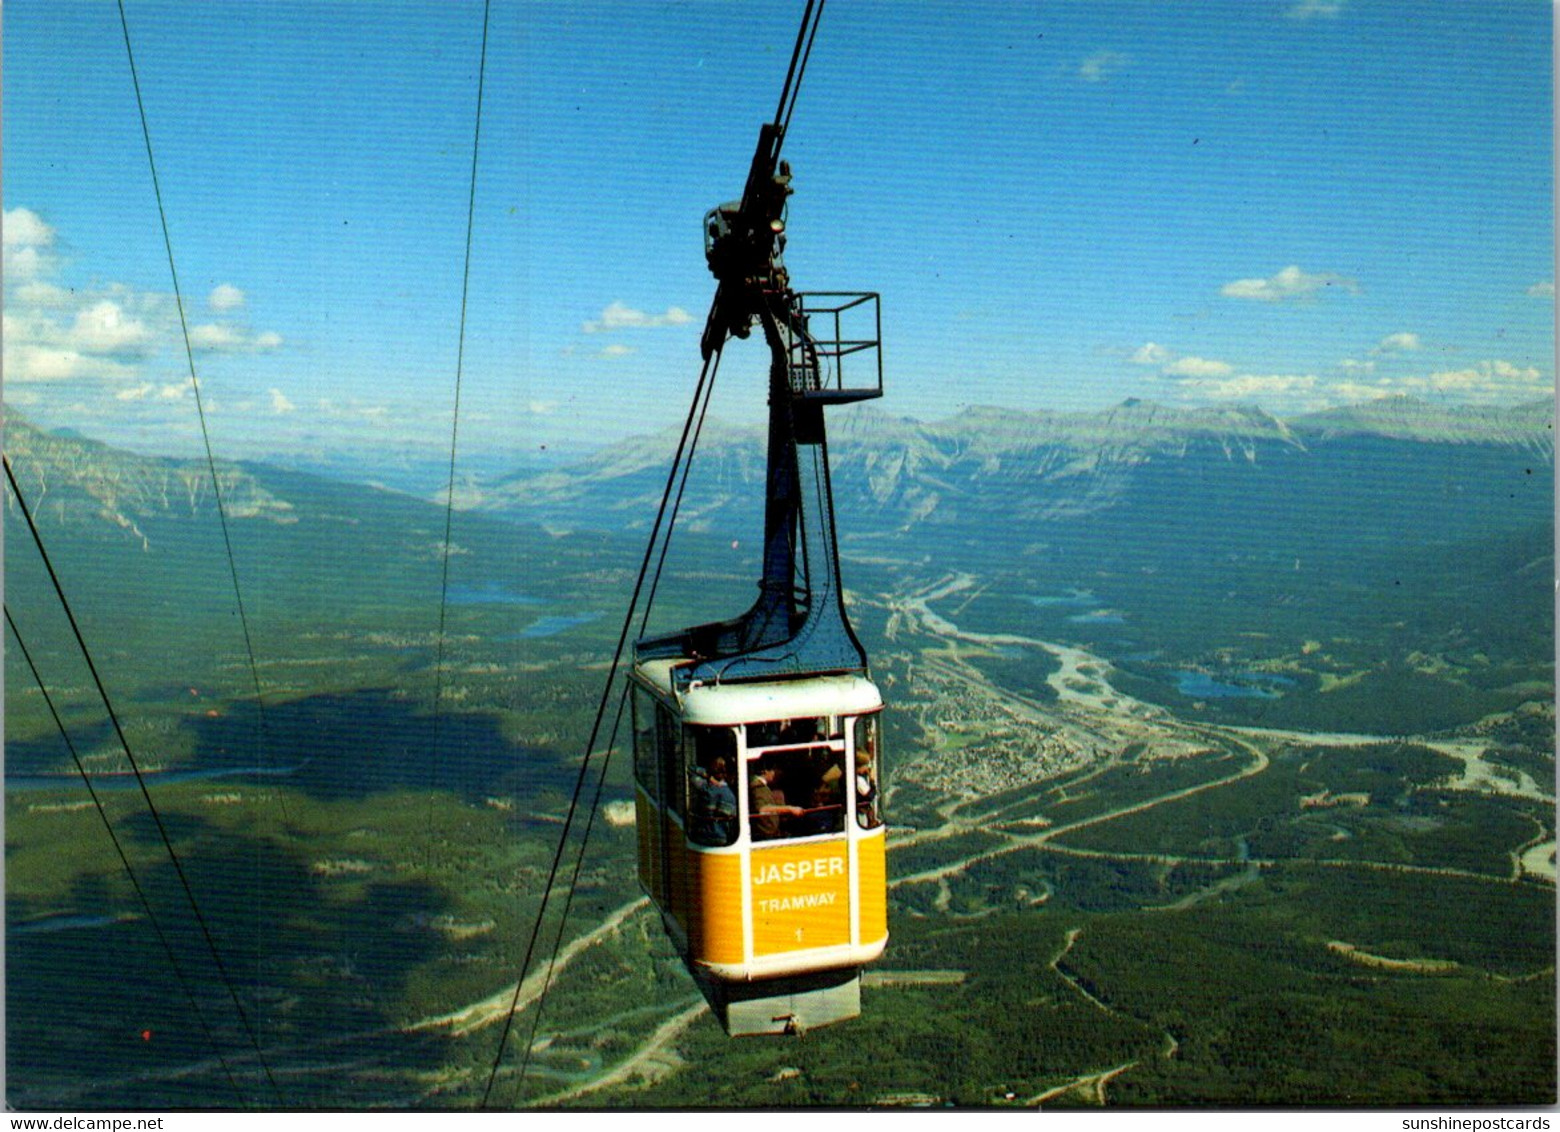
[(1387, 473)]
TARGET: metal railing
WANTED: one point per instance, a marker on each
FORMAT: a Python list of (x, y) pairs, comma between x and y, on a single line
[(841, 327)]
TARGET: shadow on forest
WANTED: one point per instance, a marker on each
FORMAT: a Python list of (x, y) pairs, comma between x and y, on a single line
[(96, 1013), (348, 746), (47, 754)]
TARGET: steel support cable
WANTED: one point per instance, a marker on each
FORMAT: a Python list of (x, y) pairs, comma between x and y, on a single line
[(617, 721), (595, 729), (124, 860), (785, 122), (460, 361), (796, 55), (135, 767), (200, 408), (671, 525), (568, 900), (263, 744)]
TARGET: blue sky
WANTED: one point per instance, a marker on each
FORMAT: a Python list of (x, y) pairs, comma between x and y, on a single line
[(1289, 203)]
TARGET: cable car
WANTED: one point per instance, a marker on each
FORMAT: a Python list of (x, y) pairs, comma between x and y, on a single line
[(757, 740)]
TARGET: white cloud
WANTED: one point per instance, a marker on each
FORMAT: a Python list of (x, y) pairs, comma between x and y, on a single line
[(353, 410), (615, 350), (104, 328), (215, 336), (26, 238), (1485, 379), (1153, 354), (1397, 343), (280, 403), (226, 297), (34, 362), (1101, 65), (619, 316), (27, 326), (542, 408), (43, 363), (1353, 392), (1352, 365), (1290, 283), (24, 228), (225, 338), (26, 263), (1519, 373), (1198, 367), (148, 391), (61, 333), (1252, 385), (1311, 9), (1487, 382), (1542, 290), (41, 294)]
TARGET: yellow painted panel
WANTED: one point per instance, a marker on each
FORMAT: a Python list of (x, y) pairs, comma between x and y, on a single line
[(801, 897), (873, 888), (715, 918)]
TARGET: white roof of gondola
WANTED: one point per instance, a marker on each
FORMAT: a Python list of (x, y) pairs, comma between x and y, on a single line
[(754, 701)]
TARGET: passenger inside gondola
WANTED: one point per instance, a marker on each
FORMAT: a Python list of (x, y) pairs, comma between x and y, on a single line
[(867, 816), (825, 769), (797, 793), (712, 802), (766, 804), (713, 806), (866, 792)]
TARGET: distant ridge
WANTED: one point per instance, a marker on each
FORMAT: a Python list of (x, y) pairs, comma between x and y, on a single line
[(73, 480), (987, 468), (986, 473), (1408, 418)]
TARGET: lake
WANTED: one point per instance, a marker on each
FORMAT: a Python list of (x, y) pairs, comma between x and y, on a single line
[(552, 625), (488, 593), (1203, 686)]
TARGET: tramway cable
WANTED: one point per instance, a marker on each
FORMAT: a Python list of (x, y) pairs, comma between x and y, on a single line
[(263, 744), (200, 409), (124, 860), (809, 29), (617, 720), (595, 730), (449, 496), (135, 767), (568, 900), (671, 526)]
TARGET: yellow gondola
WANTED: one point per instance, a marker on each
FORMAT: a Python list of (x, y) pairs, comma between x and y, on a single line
[(757, 741), (761, 839)]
